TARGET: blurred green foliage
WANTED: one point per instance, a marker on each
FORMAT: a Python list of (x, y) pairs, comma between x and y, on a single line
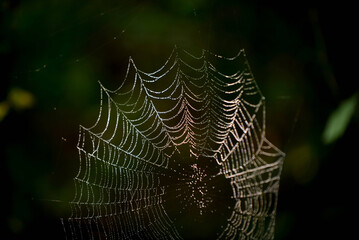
[(339, 120)]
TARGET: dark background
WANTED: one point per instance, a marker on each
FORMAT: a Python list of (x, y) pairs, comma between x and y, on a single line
[(303, 55)]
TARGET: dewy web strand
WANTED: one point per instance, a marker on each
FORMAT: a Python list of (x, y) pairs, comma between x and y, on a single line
[(127, 156)]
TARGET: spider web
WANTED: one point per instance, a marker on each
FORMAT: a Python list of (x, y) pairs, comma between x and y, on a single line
[(153, 139)]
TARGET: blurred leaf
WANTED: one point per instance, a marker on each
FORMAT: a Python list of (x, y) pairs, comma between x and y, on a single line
[(4, 108), (339, 120), (21, 99)]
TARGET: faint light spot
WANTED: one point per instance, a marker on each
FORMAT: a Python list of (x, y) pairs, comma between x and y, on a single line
[(302, 163), (15, 225)]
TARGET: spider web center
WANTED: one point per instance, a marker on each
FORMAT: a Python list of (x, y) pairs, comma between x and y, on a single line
[(198, 198)]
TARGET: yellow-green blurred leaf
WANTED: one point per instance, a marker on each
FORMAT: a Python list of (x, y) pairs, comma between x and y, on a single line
[(20, 99), (339, 120), (4, 108)]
